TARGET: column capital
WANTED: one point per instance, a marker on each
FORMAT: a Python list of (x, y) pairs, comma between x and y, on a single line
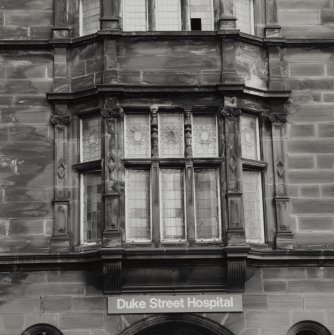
[(62, 120)]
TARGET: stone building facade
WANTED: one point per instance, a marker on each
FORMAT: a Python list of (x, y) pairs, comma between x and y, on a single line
[(166, 149)]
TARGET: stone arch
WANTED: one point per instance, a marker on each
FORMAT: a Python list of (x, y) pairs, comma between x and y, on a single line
[(308, 328), (162, 323), (41, 329)]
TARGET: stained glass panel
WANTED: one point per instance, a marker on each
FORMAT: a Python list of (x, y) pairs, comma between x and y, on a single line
[(207, 204), (202, 9), (171, 131), (91, 139), (205, 136), (90, 20), (168, 15), (253, 207), (92, 207), (172, 205), (137, 136), (249, 137), (134, 15)]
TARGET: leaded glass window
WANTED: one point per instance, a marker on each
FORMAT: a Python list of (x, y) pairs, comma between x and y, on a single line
[(89, 16), (250, 146), (253, 206), (137, 136), (205, 136), (134, 15), (202, 10), (171, 130), (90, 139), (91, 207), (138, 205), (172, 205), (168, 16), (207, 204), (244, 12)]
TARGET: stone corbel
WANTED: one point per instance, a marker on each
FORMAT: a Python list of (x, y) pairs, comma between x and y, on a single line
[(60, 239), (236, 268), (112, 115), (284, 235), (236, 227)]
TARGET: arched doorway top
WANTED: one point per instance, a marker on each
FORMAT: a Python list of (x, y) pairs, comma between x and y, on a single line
[(41, 329), (192, 322), (308, 328)]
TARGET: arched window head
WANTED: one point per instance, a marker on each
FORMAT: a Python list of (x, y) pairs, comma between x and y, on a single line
[(42, 329), (308, 328)]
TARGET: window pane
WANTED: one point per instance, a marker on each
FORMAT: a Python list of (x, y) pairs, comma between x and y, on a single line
[(91, 139), (244, 13), (171, 142), (137, 136), (202, 9), (134, 15), (92, 205), (172, 205), (205, 136), (207, 204), (253, 207), (90, 16), (138, 205), (249, 137), (168, 15)]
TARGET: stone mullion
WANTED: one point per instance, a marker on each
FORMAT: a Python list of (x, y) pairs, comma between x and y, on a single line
[(151, 14), (185, 15), (284, 236), (111, 15), (112, 175), (155, 185), (61, 28), (60, 238), (236, 227)]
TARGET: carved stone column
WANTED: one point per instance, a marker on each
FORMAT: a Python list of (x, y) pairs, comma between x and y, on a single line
[(272, 28), (112, 173), (185, 15), (111, 15), (284, 236), (236, 227), (227, 19), (60, 241), (112, 275)]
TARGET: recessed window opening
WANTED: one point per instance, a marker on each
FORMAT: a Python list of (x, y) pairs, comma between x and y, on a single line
[(196, 24)]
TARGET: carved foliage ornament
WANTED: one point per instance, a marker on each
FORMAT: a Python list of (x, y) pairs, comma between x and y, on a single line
[(112, 113), (228, 111), (278, 117), (60, 120)]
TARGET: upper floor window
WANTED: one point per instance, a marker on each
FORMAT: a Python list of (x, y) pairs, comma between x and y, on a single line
[(134, 15), (244, 12), (89, 16)]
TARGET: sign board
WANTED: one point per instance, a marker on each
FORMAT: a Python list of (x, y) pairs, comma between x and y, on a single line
[(168, 303)]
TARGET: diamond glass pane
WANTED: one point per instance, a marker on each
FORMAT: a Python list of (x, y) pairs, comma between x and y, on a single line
[(205, 136), (207, 207), (168, 15), (253, 207), (90, 16), (202, 9), (137, 137), (134, 15), (171, 131), (138, 205), (244, 13), (91, 139), (249, 137), (172, 205), (92, 206)]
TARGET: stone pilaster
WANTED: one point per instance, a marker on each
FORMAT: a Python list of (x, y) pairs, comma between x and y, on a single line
[(112, 173), (60, 241), (235, 227), (111, 15), (284, 236)]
